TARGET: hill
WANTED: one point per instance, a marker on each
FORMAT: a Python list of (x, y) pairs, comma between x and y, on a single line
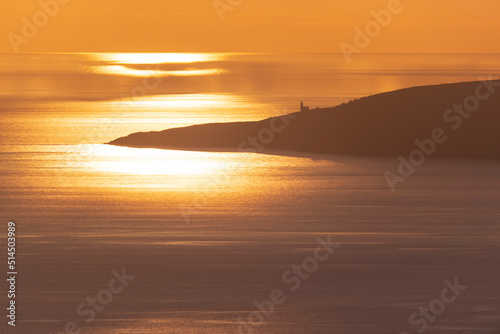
[(462, 119)]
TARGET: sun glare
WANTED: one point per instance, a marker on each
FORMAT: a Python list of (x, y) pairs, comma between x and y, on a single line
[(186, 101), (156, 58), (135, 161), (123, 70), (119, 64)]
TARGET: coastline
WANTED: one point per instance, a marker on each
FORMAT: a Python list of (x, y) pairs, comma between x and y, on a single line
[(383, 125)]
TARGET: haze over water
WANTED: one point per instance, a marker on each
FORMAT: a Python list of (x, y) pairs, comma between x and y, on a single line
[(84, 208)]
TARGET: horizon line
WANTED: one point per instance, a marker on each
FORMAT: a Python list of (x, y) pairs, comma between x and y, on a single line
[(249, 53)]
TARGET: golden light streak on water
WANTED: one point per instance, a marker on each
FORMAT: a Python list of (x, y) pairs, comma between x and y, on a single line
[(155, 58), (135, 161)]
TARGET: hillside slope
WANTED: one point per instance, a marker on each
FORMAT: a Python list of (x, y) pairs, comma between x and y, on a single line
[(385, 124)]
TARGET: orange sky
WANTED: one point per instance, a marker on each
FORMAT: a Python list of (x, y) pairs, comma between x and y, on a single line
[(424, 26)]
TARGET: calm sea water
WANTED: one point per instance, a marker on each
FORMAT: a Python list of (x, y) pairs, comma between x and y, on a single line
[(84, 208)]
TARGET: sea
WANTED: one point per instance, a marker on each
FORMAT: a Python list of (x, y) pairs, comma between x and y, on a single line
[(208, 240)]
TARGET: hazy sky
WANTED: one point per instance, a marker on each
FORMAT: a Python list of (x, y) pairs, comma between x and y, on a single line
[(253, 26)]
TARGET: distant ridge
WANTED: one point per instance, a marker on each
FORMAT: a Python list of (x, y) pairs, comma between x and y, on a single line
[(386, 124)]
